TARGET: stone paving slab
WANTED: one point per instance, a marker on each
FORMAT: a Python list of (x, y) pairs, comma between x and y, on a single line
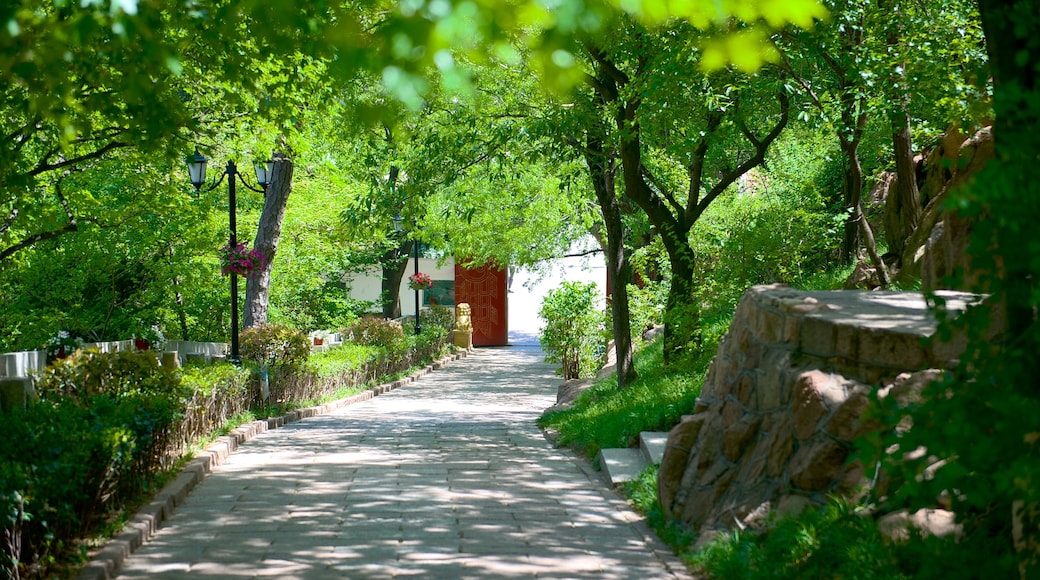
[(446, 477)]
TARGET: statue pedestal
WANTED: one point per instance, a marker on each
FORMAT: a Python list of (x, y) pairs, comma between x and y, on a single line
[(463, 338), (15, 393)]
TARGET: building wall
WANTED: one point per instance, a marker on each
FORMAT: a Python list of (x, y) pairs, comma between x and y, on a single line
[(367, 286)]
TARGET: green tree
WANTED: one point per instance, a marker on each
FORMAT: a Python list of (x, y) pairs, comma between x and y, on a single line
[(986, 431), (675, 164)]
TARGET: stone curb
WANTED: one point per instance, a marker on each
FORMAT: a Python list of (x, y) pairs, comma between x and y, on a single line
[(149, 518)]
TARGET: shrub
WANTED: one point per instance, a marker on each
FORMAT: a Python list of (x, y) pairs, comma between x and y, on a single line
[(344, 358), (646, 306), (275, 345), (218, 393), (438, 316), (100, 431), (374, 331), (89, 373), (573, 329)]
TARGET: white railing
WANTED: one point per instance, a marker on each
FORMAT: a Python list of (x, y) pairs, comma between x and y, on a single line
[(22, 364), (25, 364)]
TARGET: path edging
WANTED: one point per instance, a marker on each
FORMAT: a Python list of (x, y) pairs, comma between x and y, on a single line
[(149, 518)]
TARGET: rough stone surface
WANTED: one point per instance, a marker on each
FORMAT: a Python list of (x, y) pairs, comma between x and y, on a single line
[(785, 397)]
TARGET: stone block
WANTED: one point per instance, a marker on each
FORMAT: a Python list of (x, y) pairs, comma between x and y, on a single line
[(853, 479), (836, 391), (847, 422), (790, 336), (708, 443), (737, 338), (817, 464), (907, 387), (698, 506), (746, 307), (681, 440), (701, 405), (714, 472), (816, 336), (846, 342), (732, 411), (809, 406), (736, 437), (779, 445), (653, 445), (769, 326), (892, 350), (752, 355), (723, 387), (896, 526), (744, 389), (752, 469), (770, 381)]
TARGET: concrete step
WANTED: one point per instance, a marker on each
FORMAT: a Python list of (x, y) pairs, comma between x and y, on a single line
[(652, 444), (621, 465)]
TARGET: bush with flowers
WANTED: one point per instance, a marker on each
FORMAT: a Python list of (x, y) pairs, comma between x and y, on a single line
[(239, 260), (62, 345), (420, 281)]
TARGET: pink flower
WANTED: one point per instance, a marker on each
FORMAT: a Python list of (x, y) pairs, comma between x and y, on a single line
[(420, 281), (238, 260)]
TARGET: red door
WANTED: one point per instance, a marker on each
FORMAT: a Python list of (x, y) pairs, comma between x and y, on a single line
[(484, 289)]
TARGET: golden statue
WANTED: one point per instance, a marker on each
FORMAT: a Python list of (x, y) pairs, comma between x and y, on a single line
[(462, 317)]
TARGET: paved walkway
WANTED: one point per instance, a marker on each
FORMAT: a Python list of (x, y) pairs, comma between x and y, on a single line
[(447, 477)]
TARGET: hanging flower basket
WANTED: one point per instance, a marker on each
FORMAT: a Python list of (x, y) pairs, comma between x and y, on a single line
[(420, 281), (239, 260)]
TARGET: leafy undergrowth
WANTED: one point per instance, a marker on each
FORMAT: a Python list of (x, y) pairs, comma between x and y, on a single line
[(830, 542), (604, 417), (836, 541)]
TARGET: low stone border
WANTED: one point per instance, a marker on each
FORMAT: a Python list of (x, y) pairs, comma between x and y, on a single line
[(142, 527)]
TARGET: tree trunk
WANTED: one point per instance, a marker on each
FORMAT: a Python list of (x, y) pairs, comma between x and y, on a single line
[(682, 316), (258, 285), (903, 209), (903, 206), (394, 264), (871, 246), (854, 123), (602, 170), (1011, 29), (853, 186)]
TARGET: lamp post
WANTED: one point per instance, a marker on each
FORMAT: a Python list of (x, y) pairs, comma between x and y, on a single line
[(197, 174), (399, 226)]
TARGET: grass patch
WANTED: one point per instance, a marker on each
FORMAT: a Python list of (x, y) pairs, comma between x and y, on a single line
[(831, 542), (604, 417), (835, 541), (642, 495)]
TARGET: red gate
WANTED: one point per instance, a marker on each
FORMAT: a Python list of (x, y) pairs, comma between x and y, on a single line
[(484, 289)]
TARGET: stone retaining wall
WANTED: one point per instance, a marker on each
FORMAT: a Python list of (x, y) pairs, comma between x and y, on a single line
[(783, 400)]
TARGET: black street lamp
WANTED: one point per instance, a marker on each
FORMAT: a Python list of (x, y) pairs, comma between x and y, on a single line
[(197, 174), (399, 226)]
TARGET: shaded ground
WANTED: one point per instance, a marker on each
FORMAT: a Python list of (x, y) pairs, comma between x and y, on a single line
[(448, 477)]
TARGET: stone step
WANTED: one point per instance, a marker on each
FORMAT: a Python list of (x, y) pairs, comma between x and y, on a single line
[(621, 465), (652, 444)]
